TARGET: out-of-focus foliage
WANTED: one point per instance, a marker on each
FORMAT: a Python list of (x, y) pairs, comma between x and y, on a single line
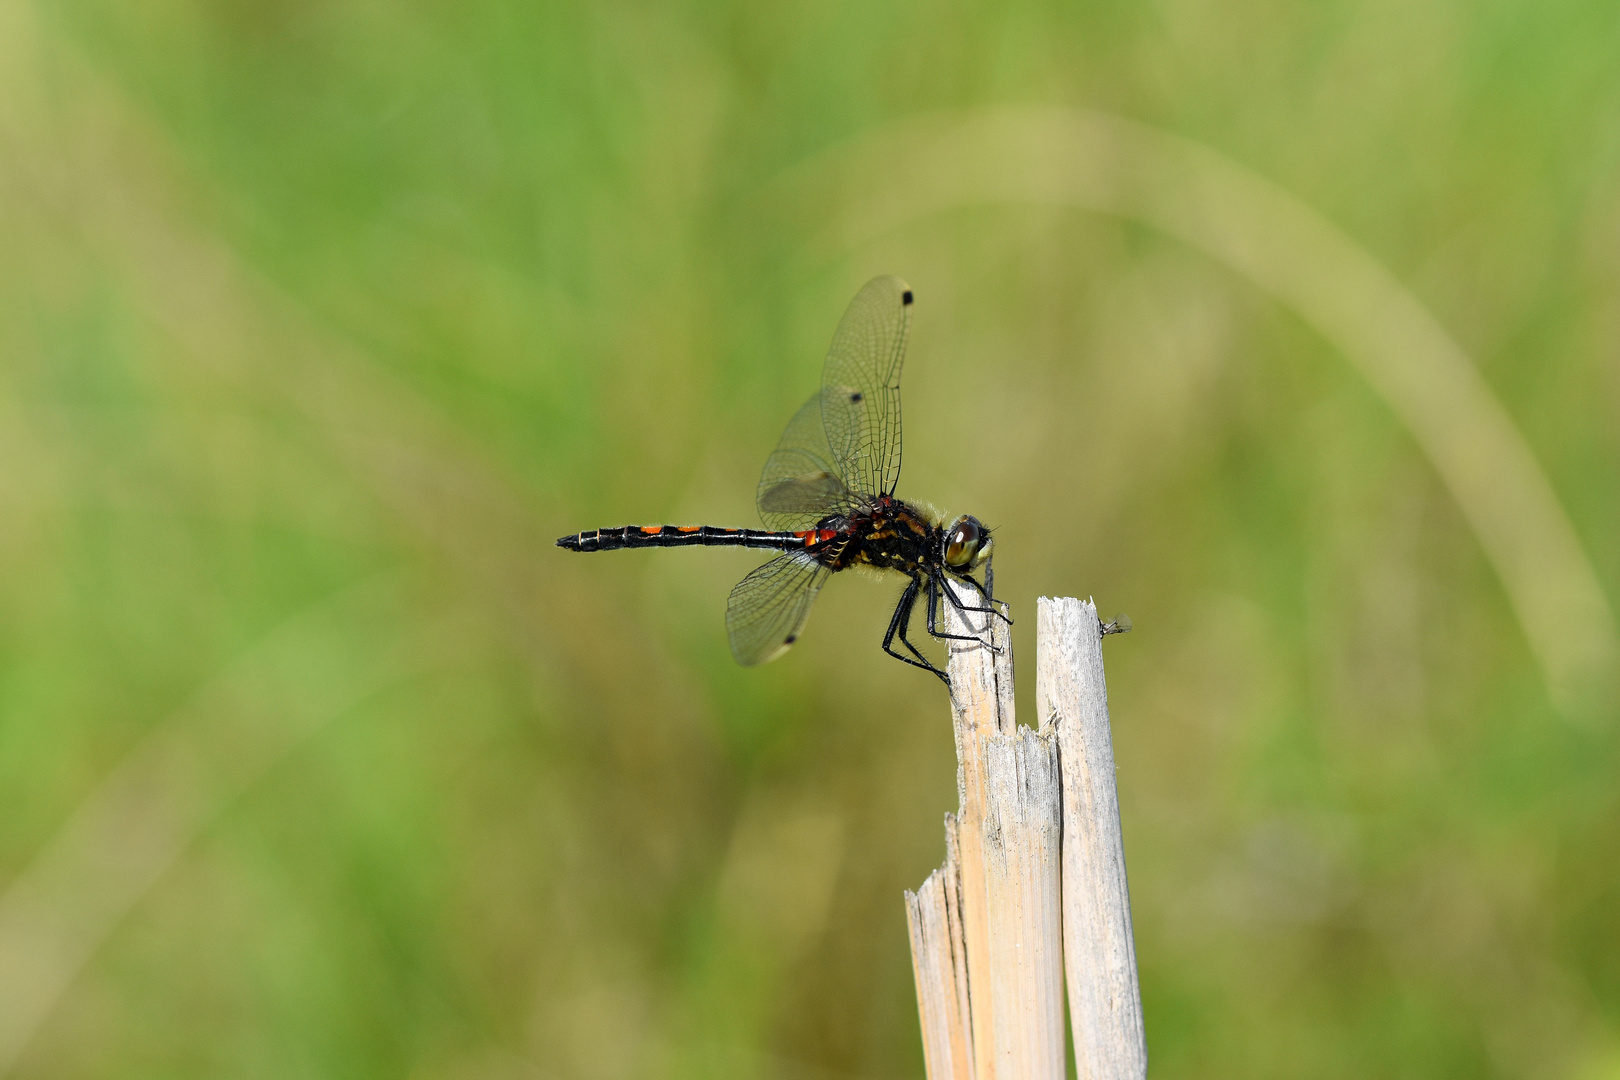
[(320, 321)]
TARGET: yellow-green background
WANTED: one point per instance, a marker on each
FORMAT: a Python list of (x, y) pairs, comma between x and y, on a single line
[(319, 321)]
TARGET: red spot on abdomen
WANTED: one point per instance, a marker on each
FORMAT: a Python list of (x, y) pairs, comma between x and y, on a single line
[(812, 537)]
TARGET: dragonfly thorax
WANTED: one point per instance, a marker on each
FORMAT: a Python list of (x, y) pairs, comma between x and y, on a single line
[(890, 534)]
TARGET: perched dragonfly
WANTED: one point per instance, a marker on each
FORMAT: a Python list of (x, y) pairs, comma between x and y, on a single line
[(827, 495)]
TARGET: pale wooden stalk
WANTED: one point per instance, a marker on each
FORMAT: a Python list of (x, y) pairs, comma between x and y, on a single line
[(1022, 830), (1034, 878), (1008, 846), (981, 706), (1105, 1004), (961, 1034), (933, 915)]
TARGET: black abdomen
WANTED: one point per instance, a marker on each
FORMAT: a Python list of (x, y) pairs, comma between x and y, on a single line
[(639, 536)]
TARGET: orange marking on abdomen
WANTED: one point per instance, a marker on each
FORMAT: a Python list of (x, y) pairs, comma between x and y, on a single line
[(687, 528), (652, 530)]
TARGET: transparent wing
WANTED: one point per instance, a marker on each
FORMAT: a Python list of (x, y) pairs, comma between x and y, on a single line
[(768, 608), (801, 483), (860, 387)]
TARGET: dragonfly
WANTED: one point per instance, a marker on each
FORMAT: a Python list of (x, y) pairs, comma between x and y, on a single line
[(827, 498)]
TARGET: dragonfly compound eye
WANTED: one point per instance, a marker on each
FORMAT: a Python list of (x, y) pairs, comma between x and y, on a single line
[(962, 543)]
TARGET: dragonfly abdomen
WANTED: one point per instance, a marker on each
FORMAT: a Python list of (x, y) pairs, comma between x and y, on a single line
[(639, 536)]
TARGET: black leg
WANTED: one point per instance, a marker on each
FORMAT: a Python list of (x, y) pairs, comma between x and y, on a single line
[(997, 607), (903, 608), (936, 585), (991, 610), (912, 648), (905, 630), (898, 623), (933, 628), (989, 589)]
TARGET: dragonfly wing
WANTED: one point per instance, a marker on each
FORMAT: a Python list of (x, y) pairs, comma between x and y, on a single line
[(768, 608), (801, 483), (860, 384)]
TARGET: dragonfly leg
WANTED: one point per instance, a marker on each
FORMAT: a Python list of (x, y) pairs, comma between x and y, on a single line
[(899, 623), (935, 609), (995, 607)]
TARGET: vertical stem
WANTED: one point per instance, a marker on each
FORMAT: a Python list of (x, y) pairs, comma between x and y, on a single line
[(981, 706), (961, 1034), (1034, 877), (937, 962), (1022, 831), (1105, 1004)]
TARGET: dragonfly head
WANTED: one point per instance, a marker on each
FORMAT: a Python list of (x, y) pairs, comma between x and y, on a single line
[(967, 544)]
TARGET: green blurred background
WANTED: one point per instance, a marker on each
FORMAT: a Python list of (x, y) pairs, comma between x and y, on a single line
[(320, 321)]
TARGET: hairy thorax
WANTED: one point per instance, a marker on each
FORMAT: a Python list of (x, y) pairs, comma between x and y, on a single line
[(886, 534)]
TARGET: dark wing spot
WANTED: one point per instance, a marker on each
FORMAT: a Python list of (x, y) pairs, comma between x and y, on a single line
[(856, 396), (791, 638), (905, 297)]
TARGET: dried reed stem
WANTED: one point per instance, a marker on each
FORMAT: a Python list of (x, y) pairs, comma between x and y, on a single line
[(934, 916), (981, 707), (1022, 828), (1105, 1004), (1034, 875)]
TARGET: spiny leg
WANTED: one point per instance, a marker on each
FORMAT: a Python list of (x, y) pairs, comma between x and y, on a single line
[(905, 627), (935, 587), (898, 623), (937, 584), (989, 590), (992, 609)]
